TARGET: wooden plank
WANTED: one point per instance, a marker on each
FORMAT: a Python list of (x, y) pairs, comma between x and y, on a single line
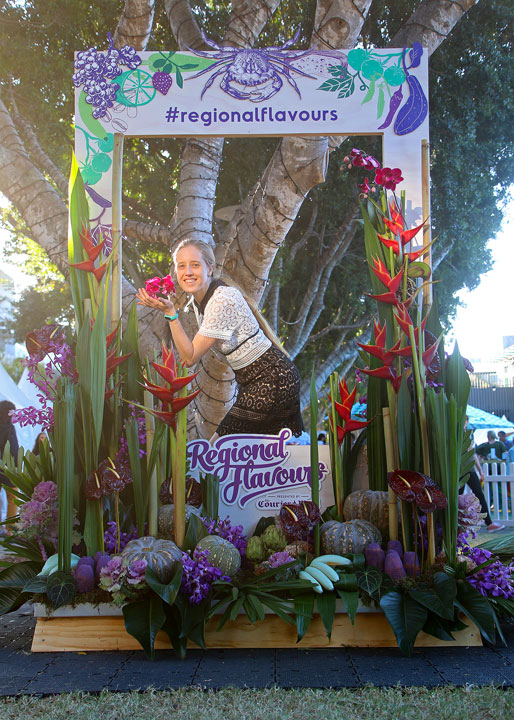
[(74, 634)]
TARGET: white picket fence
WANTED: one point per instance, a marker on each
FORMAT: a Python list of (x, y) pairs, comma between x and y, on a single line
[(499, 491)]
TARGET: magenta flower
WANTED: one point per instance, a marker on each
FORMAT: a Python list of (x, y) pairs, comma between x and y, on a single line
[(388, 178)]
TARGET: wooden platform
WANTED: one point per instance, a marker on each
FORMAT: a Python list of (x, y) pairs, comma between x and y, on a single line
[(75, 634)]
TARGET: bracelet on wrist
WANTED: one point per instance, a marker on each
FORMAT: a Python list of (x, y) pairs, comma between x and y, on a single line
[(170, 318)]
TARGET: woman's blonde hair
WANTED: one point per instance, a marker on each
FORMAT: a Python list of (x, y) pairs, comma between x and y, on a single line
[(208, 256)]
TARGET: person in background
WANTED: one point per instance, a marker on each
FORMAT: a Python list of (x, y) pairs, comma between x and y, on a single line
[(502, 437), (493, 449), (8, 435), (322, 438), (41, 438)]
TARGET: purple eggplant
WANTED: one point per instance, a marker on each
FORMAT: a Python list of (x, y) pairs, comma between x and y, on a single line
[(393, 566), (411, 564), (395, 545), (374, 556)]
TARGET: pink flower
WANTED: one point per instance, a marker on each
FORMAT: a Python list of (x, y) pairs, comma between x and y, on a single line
[(167, 285), (45, 492), (388, 178), (153, 286), (365, 186)]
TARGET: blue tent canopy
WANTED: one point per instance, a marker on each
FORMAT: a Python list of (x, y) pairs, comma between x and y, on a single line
[(482, 420), (478, 419)]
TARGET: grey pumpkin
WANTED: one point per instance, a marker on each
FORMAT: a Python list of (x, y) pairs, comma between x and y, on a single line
[(222, 554), (166, 519), (161, 555), (370, 505), (348, 537)]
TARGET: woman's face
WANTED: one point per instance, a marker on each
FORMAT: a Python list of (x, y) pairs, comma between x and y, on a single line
[(193, 273)]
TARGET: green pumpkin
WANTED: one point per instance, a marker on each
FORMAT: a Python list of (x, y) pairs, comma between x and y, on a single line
[(166, 519), (370, 505), (222, 554), (161, 555), (343, 538)]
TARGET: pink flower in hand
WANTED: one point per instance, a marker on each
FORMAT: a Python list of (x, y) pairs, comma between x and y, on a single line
[(167, 285), (153, 286)]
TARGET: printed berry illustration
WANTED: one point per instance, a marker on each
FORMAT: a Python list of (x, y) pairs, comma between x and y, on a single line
[(162, 82)]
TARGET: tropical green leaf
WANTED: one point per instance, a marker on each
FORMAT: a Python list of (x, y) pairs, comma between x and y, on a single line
[(11, 599), (429, 599), (167, 592), (406, 617), (210, 489), (437, 627), (36, 584), (326, 603), (351, 602), (137, 468), (303, 607), (143, 620), (171, 627), (196, 530), (132, 389), (370, 581), (61, 588), (97, 359), (477, 608), (446, 588), (18, 575)]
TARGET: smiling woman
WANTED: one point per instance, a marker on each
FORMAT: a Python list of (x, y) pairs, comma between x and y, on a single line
[(268, 382)]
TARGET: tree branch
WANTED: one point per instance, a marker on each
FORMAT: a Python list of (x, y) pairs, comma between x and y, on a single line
[(135, 24)]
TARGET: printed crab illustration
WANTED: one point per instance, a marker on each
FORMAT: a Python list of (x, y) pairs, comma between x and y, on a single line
[(249, 73)]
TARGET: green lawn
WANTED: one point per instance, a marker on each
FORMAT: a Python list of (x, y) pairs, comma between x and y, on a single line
[(469, 703)]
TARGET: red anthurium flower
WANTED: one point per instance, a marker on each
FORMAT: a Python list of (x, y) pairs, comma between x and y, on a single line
[(407, 483), (430, 498)]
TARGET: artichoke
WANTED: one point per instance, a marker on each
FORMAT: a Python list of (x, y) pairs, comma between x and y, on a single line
[(255, 551), (274, 539)]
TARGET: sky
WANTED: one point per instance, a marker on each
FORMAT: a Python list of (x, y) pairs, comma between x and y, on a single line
[(488, 311)]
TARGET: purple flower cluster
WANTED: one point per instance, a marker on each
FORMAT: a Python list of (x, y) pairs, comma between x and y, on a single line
[(96, 70), (39, 516), (493, 580), (123, 454), (110, 537), (123, 580), (34, 416), (198, 575), (470, 516), (279, 558), (232, 533)]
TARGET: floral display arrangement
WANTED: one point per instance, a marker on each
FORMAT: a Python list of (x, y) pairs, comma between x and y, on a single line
[(107, 512)]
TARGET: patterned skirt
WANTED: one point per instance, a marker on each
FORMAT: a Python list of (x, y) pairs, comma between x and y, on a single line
[(268, 398)]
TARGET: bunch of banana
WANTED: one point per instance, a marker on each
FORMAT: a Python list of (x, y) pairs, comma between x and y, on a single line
[(320, 572)]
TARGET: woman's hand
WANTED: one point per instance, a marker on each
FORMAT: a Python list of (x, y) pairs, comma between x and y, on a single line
[(161, 304)]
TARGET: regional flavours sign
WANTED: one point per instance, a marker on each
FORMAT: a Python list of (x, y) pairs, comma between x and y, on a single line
[(259, 91), (258, 473)]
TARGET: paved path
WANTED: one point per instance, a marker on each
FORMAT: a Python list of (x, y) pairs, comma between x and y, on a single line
[(48, 673)]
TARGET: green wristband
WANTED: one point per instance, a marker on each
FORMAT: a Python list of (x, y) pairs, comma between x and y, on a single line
[(171, 317)]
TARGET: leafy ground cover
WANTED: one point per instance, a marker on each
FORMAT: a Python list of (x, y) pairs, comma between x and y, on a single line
[(467, 703)]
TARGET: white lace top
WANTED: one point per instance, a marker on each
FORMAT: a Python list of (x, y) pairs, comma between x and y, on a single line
[(229, 318)]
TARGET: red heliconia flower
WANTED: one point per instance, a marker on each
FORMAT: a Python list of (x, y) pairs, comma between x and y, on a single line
[(344, 410), (93, 251), (383, 274), (379, 351), (112, 362), (171, 405), (386, 373), (405, 322)]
